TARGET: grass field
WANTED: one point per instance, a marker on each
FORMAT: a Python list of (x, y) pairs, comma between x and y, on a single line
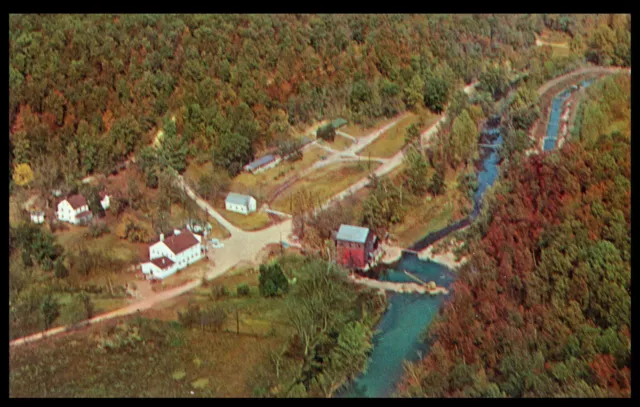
[(184, 362), (254, 221), (326, 182), (340, 143), (393, 140), (262, 185), (357, 130)]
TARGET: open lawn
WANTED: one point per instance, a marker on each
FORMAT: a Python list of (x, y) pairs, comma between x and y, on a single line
[(171, 362), (392, 141), (254, 221), (340, 143), (326, 182), (262, 185), (185, 362), (357, 130)]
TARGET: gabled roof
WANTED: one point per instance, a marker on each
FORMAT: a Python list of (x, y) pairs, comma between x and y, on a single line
[(238, 199), (260, 162), (76, 201), (350, 233), (162, 262), (179, 243)]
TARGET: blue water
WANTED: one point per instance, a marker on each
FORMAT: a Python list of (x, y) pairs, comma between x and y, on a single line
[(399, 331), (398, 335), (554, 119)]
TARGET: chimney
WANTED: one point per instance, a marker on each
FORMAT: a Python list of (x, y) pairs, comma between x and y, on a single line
[(163, 261), (162, 237), (176, 232)]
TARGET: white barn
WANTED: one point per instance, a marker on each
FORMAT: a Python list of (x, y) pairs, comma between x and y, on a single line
[(244, 204), (173, 253), (74, 210)]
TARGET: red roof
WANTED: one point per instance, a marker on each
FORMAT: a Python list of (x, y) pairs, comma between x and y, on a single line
[(162, 263), (84, 214), (76, 201), (179, 243), (102, 194)]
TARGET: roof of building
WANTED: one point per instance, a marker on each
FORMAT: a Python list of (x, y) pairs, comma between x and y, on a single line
[(102, 194), (238, 199), (76, 201), (260, 162), (162, 262), (350, 233), (84, 214), (181, 242), (338, 122)]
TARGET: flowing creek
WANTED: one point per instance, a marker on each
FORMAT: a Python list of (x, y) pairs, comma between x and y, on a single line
[(399, 333)]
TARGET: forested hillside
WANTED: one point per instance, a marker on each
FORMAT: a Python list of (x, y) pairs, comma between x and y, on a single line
[(86, 91), (543, 307)]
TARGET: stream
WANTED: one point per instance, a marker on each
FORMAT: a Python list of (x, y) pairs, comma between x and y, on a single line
[(556, 111), (399, 334)]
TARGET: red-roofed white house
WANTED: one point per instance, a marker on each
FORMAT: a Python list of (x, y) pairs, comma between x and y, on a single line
[(173, 253), (75, 210)]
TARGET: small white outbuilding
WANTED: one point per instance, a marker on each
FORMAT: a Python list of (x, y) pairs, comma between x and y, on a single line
[(244, 204)]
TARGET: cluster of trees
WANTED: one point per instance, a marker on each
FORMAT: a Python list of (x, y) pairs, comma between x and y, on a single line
[(333, 326), (543, 307), (605, 103), (33, 303), (90, 89)]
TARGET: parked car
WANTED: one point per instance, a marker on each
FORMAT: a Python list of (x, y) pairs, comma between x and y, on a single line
[(216, 244)]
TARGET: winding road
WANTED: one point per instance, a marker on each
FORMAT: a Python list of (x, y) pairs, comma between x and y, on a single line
[(244, 245)]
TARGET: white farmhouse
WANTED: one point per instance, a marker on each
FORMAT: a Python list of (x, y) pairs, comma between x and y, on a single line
[(104, 200), (244, 204), (173, 253), (74, 210)]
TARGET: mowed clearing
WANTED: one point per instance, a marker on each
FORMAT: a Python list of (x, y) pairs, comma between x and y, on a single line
[(167, 360), (357, 130), (325, 183), (340, 143), (262, 185), (393, 140)]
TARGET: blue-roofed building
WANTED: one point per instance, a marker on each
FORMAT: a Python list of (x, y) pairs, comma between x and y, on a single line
[(356, 246), (244, 204), (262, 163)]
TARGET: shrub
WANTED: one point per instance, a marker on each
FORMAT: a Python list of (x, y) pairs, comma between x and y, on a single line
[(190, 317), (243, 290), (219, 291)]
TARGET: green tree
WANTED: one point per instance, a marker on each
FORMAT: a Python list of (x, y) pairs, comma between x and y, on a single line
[(272, 280), (464, 139), (233, 152), (50, 310), (327, 132), (416, 171), (437, 185)]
